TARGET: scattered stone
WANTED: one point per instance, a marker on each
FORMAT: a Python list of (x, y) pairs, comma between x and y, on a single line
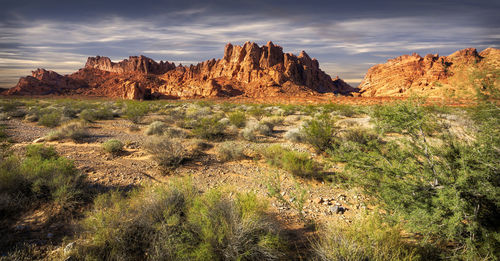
[(337, 209), (318, 200)]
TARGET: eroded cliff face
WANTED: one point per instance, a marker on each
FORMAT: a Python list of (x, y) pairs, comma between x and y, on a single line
[(248, 70), (134, 64), (42, 82), (253, 71), (450, 76)]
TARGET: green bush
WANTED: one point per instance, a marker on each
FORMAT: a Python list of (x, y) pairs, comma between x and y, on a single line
[(167, 152), (297, 163), (41, 176), (50, 119), (209, 128), (135, 111), (238, 119), (112, 146), (446, 191), (257, 112), (76, 131), (407, 117), (101, 113), (320, 133), (175, 222)]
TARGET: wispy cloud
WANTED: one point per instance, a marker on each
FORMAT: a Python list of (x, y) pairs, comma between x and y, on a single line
[(345, 48)]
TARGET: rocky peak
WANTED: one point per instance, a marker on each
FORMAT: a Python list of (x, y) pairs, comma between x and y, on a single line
[(140, 64), (45, 75), (467, 55)]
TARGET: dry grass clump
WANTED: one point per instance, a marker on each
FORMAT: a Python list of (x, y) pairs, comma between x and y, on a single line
[(76, 131), (368, 238), (156, 128), (253, 129), (168, 153), (176, 222), (229, 151)]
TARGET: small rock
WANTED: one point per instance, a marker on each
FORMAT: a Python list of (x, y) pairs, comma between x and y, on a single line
[(337, 209), (318, 200), (292, 199)]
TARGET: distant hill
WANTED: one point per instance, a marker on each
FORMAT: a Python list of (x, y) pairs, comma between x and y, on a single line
[(458, 75)]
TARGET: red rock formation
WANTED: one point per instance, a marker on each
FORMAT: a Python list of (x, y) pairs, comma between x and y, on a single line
[(248, 70), (139, 64), (42, 82), (431, 75)]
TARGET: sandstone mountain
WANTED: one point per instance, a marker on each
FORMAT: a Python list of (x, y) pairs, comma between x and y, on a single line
[(460, 74), (248, 70)]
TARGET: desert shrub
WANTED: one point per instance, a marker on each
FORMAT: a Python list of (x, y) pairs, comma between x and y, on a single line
[(257, 112), (175, 222), (253, 129), (3, 133), (76, 131), (248, 134), (408, 117), (238, 119), (40, 176), (4, 116), (168, 153), (320, 133), (9, 105), (294, 135), (209, 128), (50, 119), (229, 150), (444, 191), (31, 117), (297, 163), (272, 122), (368, 238), (19, 113), (343, 109), (112, 146), (135, 111), (360, 136), (102, 113), (156, 128), (88, 115), (174, 133)]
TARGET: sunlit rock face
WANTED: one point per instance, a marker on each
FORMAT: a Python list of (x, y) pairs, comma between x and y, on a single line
[(249, 70), (432, 75)]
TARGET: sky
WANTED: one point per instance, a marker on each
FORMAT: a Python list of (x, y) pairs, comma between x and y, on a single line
[(347, 37)]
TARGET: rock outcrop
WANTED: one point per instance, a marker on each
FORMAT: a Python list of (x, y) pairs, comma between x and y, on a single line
[(249, 70), (134, 64), (43, 82), (432, 75)]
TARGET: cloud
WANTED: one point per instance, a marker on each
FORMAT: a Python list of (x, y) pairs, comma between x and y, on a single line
[(346, 48)]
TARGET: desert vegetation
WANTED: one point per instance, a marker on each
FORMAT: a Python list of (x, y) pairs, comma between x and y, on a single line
[(191, 180)]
